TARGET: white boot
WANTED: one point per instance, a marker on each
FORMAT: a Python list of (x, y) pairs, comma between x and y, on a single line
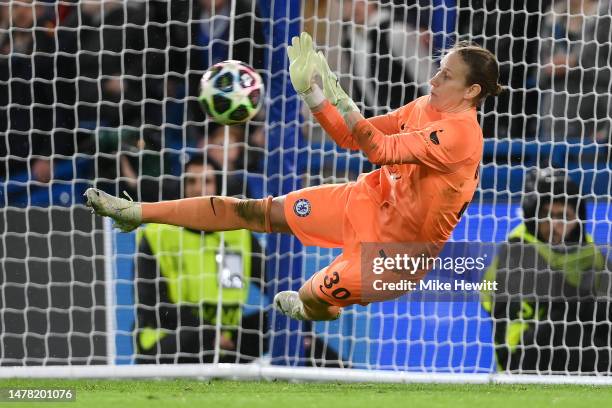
[(288, 302), (127, 214)]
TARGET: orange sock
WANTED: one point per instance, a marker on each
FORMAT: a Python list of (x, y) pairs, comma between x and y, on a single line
[(211, 213)]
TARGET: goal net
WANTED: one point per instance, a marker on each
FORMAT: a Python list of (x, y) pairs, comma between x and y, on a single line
[(103, 93)]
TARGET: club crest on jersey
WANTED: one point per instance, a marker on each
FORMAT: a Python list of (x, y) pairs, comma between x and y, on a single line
[(433, 136), (302, 207)]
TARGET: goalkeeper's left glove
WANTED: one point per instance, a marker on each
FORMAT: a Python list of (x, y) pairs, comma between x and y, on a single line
[(332, 89)]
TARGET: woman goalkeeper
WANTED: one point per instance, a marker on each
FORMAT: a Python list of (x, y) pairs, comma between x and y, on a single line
[(429, 152)]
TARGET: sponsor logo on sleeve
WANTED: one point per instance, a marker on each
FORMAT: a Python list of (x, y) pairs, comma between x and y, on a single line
[(433, 136)]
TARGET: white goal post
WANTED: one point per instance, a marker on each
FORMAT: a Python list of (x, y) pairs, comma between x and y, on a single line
[(104, 93), (254, 372)]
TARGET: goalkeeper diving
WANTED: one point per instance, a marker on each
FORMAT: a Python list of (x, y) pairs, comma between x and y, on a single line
[(429, 152)]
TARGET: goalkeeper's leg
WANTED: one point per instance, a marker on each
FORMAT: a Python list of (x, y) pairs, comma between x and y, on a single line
[(304, 305), (324, 295), (314, 213), (208, 213)]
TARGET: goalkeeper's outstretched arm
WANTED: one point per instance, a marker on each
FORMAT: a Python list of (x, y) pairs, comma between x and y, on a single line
[(330, 106), (379, 138), (302, 70), (336, 126)]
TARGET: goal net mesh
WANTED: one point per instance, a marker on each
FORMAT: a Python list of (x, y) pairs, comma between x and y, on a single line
[(103, 93)]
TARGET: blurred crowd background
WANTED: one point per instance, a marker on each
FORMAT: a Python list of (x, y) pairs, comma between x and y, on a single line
[(104, 92)]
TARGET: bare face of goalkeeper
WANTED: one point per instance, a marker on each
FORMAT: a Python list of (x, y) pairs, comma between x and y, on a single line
[(467, 74)]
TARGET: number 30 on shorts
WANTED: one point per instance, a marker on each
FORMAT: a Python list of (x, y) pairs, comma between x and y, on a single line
[(330, 282)]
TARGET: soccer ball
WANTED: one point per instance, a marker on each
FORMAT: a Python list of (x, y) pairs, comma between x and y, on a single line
[(231, 92)]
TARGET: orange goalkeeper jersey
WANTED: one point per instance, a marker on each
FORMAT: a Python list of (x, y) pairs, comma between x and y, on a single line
[(430, 164)]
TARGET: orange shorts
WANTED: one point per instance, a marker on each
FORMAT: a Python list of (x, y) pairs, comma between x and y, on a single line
[(317, 216)]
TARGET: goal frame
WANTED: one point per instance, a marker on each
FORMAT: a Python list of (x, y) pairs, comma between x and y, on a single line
[(260, 372)]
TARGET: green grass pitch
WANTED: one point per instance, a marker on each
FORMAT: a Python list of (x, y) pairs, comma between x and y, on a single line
[(226, 394)]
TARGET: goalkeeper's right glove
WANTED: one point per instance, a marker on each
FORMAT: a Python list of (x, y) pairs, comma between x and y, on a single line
[(332, 89), (302, 69), (302, 66)]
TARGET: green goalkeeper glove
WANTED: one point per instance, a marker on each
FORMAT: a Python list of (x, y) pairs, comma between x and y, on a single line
[(302, 70), (302, 57), (332, 89)]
